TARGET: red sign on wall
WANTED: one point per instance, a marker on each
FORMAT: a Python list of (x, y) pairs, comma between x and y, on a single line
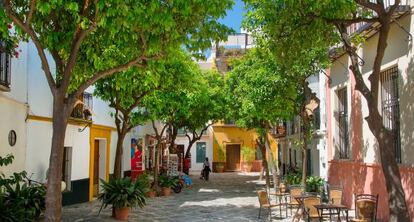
[(136, 158)]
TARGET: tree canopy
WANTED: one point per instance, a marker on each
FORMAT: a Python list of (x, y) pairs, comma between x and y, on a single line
[(301, 33), (260, 91)]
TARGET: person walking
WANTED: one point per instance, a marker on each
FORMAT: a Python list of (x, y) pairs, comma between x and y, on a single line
[(206, 170)]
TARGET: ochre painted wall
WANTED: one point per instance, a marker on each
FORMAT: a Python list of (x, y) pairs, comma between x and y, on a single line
[(223, 135)]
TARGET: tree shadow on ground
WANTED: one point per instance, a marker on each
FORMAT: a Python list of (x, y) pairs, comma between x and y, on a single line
[(227, 196)]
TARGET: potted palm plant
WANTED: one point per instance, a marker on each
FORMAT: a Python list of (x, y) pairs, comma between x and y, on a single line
[(248, 157), (122, 194), (167, 183), (221, 158), (145, 182)]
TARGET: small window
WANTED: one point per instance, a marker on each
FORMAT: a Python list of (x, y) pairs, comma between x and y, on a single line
[(181, 131), (67, 168), (5, 69), (201, 152)]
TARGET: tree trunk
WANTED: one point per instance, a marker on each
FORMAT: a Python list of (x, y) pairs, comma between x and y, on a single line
[(265, 164), (396, 196), (304, 166), (156, 166), (54, 177), (306, 133), (273, 166), (118, 155), (187, 152)]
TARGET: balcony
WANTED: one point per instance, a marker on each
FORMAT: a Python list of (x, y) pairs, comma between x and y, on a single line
[(83, 110), (235, 46), (279, 130)]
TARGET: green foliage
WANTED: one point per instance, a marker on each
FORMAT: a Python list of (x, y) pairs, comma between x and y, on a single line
[(121, 31), (248, 153), (4, 161), (300, 34), (260, 91), (314, 183), (221, 152), (144, 182), (168, 181), (19, 201), (121, 193), (294, 178), (190, 103)]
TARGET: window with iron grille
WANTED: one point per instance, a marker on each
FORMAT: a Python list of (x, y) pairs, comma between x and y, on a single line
[(390, 106), (5, 69), (343, 123)]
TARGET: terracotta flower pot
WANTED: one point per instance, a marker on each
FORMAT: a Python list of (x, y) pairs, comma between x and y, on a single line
[(219, 168), (122, 213), (247, 167), (151, 194), (166, 191)]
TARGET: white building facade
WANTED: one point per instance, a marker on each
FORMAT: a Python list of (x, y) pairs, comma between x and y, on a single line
[(26, 115)]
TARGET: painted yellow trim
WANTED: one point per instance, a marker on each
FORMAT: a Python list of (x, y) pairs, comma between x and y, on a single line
[(103, 127), (98, 132), (73, 121)]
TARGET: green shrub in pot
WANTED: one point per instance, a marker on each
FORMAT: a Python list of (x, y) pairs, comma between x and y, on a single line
[(314, 183), (122, 194), (168, 182)]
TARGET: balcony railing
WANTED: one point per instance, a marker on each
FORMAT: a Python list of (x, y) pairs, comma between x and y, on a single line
[(83, 110)]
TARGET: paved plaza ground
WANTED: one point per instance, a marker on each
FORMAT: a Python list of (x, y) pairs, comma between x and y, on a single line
[(226, 197)]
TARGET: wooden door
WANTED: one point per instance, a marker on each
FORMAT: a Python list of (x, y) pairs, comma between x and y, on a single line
[(96, 169), (233, 157)]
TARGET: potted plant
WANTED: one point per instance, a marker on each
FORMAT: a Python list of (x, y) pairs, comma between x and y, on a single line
[(122, 194), (314, 184), (167, 182), (248, 156), (221, 158), (145, 182)]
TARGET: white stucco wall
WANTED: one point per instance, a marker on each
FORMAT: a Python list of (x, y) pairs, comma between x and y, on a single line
[(398, 52), (39, 138), (13, 109), (208, 139)]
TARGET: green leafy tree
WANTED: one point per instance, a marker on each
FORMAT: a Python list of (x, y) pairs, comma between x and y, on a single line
[(168, 105), (261, 94), (126, 91), (304, 31), (90, 40), (207, 105)]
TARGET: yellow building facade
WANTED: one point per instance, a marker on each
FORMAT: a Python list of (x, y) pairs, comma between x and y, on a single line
[(235, 149)]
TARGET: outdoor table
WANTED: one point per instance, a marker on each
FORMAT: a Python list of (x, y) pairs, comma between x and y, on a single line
[(299, 199), (331, 207), (281, 196)]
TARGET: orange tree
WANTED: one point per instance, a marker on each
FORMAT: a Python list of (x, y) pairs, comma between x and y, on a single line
[(92, 39), (302, 32)]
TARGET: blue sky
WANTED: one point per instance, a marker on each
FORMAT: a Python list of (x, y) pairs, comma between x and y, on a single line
[(234, 17)]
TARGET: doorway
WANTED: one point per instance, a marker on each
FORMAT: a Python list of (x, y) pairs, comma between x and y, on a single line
[(99, 165), (233, 157)]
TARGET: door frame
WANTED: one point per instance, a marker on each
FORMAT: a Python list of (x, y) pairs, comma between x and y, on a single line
[(98, 133), (240, 146)]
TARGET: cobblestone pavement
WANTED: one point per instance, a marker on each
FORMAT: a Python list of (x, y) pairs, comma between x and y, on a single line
[(226, 197)]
